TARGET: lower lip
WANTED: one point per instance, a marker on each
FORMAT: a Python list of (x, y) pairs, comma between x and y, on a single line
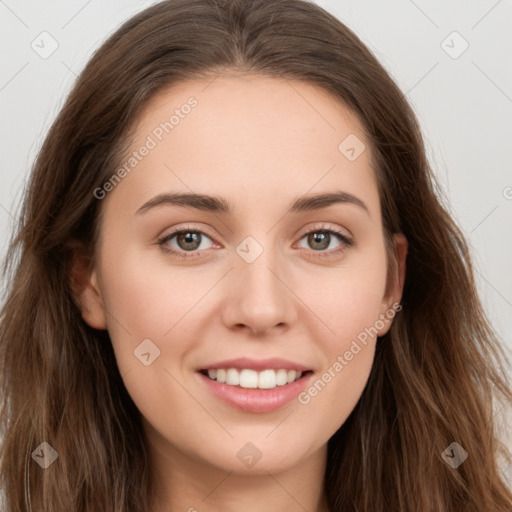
[(257, 400)]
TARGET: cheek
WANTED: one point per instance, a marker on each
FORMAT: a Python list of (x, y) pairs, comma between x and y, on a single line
[(147, 295), (347, 300), (148, 305), (348, 356), (350, 307)]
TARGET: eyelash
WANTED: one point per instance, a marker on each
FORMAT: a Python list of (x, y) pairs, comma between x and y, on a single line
[(347, 242)]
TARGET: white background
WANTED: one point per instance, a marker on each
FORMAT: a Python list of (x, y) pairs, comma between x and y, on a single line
[(464, 104)]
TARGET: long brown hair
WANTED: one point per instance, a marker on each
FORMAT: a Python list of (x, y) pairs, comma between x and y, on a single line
[(437, 373)]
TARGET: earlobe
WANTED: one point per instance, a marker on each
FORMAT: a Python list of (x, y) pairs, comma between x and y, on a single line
[(85, 287)]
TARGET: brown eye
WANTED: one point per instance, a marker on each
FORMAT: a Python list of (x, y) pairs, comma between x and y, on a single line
[(186, 241), (319, 240)]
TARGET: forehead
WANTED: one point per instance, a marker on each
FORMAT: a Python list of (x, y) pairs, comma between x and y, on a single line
[(248, 137), (256, 103)]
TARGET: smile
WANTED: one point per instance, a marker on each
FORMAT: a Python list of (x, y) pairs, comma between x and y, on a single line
[(252, 379), (254, 385)]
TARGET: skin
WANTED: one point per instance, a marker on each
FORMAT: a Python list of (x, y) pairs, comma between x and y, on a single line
[(260, 143)]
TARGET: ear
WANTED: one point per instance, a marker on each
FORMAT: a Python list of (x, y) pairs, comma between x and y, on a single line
[(395, 284), (83, 280)]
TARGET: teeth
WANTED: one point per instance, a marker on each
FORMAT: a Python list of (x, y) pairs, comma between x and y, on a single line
[(232, 377), (281, 377), (248, 378), (266, 379)]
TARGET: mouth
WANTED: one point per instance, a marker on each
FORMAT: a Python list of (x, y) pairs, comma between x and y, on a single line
[(255, 391), (248, 378)]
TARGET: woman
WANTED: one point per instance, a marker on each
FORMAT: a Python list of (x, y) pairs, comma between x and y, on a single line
[(236, 287)]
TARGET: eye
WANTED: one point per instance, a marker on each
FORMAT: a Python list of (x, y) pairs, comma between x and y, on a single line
[(187, 240), (319, 238)]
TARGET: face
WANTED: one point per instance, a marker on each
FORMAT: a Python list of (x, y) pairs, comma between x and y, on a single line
[(256, 285)]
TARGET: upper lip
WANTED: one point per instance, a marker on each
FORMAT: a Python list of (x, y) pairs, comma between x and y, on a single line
[(257, 364)]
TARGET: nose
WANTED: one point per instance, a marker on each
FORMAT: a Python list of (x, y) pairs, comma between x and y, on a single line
[(258, 296)]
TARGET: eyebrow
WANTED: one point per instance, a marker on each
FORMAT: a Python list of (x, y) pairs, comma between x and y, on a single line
[(219, 204)]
